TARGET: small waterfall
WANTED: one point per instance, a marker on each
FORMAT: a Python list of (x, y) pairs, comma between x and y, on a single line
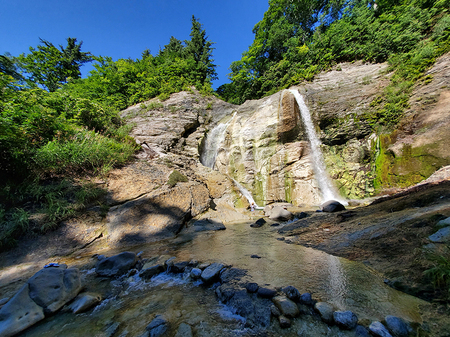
[(246, 193), (212, 144), (325, 185)]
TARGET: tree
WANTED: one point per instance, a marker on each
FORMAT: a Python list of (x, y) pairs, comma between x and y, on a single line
[(51, 67), (199, 48)]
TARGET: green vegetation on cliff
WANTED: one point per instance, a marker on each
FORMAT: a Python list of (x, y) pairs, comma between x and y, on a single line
[(296, 40), (58, 128)]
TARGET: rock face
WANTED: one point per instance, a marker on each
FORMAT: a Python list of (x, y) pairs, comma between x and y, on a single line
[(157, 215), (116, 265), (45, 293)]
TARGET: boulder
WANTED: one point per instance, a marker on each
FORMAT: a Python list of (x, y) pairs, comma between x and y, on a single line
[(287, 307), (258, 223), (332, 206), (377, 329), (346, 320), (442, 235), (211, 273), (284, 322), (292, 293), (444, 222), (184, 330), (307, 299), (361, 331), (53, 287), (84, 302), (396, 326), (116, 265), (266, 292), (196, 273), (19, 313), (279, 213), (325, 310), (252, 287), (205, 225), (158, 327)]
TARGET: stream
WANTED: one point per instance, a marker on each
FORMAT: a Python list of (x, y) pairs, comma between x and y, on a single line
[(130, 303)]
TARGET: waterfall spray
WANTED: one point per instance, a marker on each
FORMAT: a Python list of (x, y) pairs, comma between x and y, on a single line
[(212, 143), (325, 185)]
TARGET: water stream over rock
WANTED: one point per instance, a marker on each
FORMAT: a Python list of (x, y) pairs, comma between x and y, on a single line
[(325, 185)]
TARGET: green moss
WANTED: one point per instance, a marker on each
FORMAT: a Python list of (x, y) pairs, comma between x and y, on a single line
[(411, 167), (288, 187), (176, 177)]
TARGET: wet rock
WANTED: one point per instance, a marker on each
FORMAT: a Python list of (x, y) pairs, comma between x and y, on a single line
[(279, 213), (275, 311), (84, 302), (116, 265), (292, 293), (396, 326), (157, 327), (184, 330), (266, 292), (325, 310), (211, 273), (258, 223), (379, 330), (111, 329), (19, 313), (204, 265), (442, 235), (287, 307), (307, 299), (361, 331), (148, 273), (232, 274), (196, 273), (284, 322), (206, 225), (305, 309), (53, 287), (178, 267), (252, 287), (346, 320), (254, 256), (332, 206), (444, 222)]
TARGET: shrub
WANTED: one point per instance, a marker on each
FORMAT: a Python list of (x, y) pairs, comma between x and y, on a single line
[(176, 177)]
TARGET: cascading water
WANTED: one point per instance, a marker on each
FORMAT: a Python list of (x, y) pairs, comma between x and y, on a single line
[(325, 185), (212, 144), (246, 193)]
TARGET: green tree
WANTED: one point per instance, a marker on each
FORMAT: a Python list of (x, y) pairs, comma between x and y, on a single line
[(51, 67), (200, 49)]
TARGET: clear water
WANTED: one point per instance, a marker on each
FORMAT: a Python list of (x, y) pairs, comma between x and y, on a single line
[(131, 303)]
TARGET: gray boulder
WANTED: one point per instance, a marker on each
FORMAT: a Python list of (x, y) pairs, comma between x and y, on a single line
[(325, 310), (284, 322), (346, 320), (332, 206), (379, 330), (442, 235), (211, 273), (361, 331), (116, 265), (84, 302), (184, 330), (19, 313), (396, 326), (292, 293), (307, 299), (53, 287), (279, 213), (266, 292), (45, 292), (158, 327), (196, 273), (287, 307)]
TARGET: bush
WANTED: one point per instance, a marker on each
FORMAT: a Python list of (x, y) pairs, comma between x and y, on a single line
[(176, 177)]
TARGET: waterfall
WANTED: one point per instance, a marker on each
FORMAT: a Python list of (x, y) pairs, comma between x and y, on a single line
[(212, 144), (246, 193), (325, 185)]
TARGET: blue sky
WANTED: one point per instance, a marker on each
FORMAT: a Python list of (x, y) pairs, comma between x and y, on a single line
[(125, 28)]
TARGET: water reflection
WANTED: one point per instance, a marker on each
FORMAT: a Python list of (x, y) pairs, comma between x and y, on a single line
[(347, 285)]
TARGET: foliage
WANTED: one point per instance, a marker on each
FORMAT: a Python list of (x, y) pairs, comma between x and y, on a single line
[(439, 273), (51, 67), (176, 177), (297, 40), (13, 223)]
